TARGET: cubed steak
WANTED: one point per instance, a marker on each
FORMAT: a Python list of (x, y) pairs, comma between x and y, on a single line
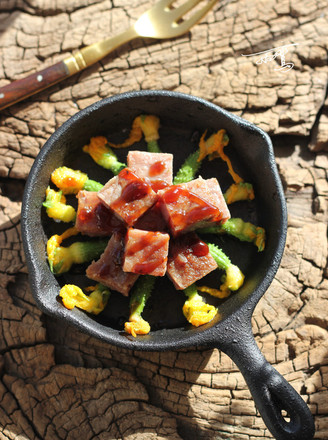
[(193, 205), (128, 195), (146, 252), (155, 168), (93, 218), (189, 260), (210, 190), (108, 269)]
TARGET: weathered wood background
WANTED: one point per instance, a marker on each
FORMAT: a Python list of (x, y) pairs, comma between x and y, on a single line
[(57, 383)]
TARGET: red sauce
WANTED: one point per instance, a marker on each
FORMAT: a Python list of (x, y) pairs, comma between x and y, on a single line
[(149, 244), (135, 189), (86, 214), (99, 218), (147, 268), (199, 249), (192, 244), (158, 184), (173, 193), (190, 208), (156, 168), (149, 239)]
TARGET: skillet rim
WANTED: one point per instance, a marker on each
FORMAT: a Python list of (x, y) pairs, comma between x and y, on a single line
[(206, 335)]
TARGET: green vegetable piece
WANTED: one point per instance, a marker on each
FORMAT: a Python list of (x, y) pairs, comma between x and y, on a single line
[(188, 169), (56, 207), (140, 295), (195, 310), (233, 278), (77, 253), (221, 259), (153, 147), (109, 161), (244, 231), (92, 185)]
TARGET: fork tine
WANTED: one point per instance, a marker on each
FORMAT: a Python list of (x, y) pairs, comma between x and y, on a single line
[(164, 4), (182, 9), (187, 24)]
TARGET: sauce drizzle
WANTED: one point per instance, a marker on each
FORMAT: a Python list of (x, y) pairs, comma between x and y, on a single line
[(187, 208), (156, 168)]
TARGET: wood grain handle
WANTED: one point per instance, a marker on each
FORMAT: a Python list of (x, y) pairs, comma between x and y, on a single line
[(25, 87)]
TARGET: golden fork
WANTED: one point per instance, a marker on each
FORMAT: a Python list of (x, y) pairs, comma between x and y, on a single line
[(160, 22)]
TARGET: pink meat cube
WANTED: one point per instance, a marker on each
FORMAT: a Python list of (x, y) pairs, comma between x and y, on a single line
[(189, 260), (93, 218), (108, 269), (210, 190), (193, 205), (146, 252), (155, 168), (128, 195)]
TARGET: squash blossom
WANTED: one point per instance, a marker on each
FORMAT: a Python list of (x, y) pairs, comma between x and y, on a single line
[(72, 296), (100, 151), (137, 326), (62, 258), (72, 181), (243, 231), (149, 125), (195, 310), (239, 191), (68, 181), (146, 125), (213, 147), (233, 278), (142, 291), (56, 207)]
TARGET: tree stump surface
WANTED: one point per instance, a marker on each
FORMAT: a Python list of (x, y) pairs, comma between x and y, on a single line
[(57, 383)]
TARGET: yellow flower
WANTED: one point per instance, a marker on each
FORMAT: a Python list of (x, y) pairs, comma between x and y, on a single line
[(137, 326), (233, 278), (149, 125), (72, 296), (56, 207), (54, 251), (260, 238), (213, 147), (239, 191), (218, 293), (69, 181), (197, 312), (96, 148)]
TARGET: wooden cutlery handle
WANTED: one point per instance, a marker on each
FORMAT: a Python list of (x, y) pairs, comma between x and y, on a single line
[(25, 87)]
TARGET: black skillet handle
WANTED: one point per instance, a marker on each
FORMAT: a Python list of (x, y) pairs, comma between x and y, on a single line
[(271, 392)]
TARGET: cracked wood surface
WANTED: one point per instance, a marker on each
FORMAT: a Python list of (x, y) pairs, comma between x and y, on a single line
[(57, 383)]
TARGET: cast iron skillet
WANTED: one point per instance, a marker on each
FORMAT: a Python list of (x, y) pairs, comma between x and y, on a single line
[(183, 119)]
